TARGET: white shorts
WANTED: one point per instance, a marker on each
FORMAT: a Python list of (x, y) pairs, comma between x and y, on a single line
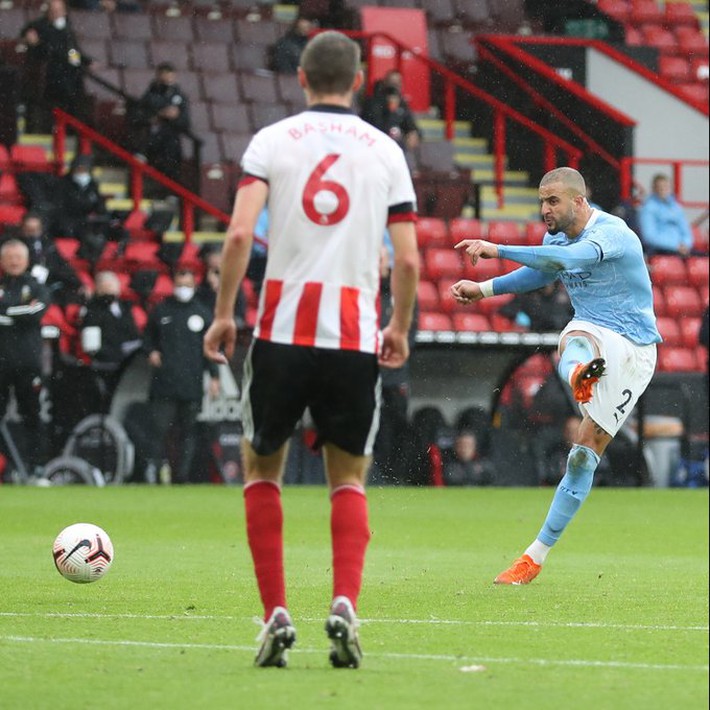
[(629, 369)]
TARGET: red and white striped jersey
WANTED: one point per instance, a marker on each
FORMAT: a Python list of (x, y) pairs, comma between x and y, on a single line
[(335, 182)]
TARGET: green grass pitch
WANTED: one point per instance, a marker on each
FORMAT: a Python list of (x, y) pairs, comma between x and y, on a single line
[(617, 619)]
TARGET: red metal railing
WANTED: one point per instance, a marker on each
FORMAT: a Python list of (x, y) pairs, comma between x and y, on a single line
[(676, 166), (501, 112), (139, 170)]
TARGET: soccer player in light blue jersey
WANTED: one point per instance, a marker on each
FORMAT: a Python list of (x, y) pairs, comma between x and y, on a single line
[(608, 350)]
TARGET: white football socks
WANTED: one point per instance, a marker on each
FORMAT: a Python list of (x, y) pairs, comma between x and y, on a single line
[(538, 552)]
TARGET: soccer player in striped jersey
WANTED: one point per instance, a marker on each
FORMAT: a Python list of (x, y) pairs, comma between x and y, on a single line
[(332, 184), (607, 351)]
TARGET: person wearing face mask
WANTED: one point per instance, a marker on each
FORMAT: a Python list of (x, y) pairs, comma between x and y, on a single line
[(173, 342), (81, 209), (158, 119), (109, 336), (23, 302), (53, 54)]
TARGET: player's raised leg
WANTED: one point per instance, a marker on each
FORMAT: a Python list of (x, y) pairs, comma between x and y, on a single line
[(580, 365)]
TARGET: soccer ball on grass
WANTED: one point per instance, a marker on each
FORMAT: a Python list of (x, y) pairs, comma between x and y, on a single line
[(83, 553)]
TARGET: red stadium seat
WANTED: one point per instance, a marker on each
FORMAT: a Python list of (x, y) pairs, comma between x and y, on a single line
[(682, 301), (144, 255), (432, 232), (494, 303), (668, 270), (427, 296), (673, 68), (633, 36), (162, 289), (701, 240), (443, 263), (9, 191), (4, 158), (691, 41), (501, 324), (680, 13), (618, 9), (645, 11), (689, 331), (30, 157), (659, 37), (659, 302), (504, 232), (471, 322), (697, 268), (673, 359), (669, 330), (483, 270), (434, 321), (11, 215), (534, 232), (465, 228)]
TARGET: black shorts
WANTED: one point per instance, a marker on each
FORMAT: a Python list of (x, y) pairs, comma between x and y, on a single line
[(341, 388)]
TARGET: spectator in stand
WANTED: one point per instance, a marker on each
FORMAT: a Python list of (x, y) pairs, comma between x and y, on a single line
[(161, 116), (468, 467), (392, 455), (628, 209), (81, 209), (53, 53), (173, 341), (387, 110), (664, 226), (286, 53), (545, 310), (47, 265), (109, 336), (23, 301)]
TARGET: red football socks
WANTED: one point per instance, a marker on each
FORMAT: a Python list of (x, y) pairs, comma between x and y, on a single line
[(350, 533), (264, 518)]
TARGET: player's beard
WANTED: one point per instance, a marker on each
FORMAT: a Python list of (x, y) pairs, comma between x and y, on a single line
[(562, 224)]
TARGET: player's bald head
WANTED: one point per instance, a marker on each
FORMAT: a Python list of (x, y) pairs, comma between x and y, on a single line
[(570, 179)]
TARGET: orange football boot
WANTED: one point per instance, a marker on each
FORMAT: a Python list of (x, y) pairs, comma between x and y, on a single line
[(584, 376), (522, 571)]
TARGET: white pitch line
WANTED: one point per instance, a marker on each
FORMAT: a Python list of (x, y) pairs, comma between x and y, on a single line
[(441, 622), (580, 663)]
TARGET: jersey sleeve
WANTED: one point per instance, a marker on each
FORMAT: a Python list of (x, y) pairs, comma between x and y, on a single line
[(402, 200), (255, 161)]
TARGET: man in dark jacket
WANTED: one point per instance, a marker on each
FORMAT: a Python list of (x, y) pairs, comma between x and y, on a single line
[(388, 110), (109, 337), (81, 209), (173, 341), (23, 301), (159, 119), (53, 50), (47, 265)]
